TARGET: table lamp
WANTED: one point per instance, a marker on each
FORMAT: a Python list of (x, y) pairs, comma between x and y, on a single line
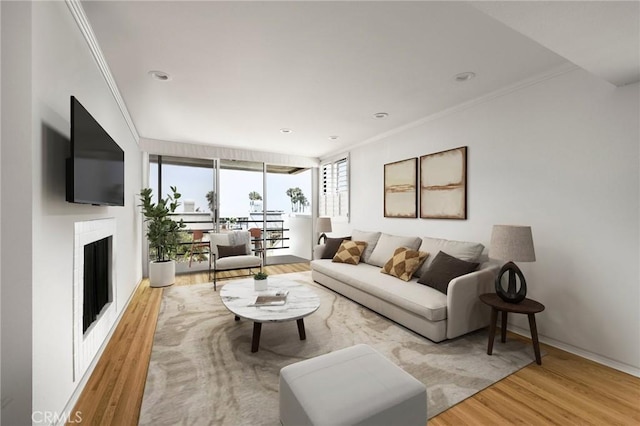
[(323, 225), (512, 243)]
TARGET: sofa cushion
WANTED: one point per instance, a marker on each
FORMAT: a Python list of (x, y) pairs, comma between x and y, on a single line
[(237, 262), (226, 251), (404, 263), (443, 269), (416, 298), (331, 247), (349, 252), (387, 244), (371, 238), (461, 249)]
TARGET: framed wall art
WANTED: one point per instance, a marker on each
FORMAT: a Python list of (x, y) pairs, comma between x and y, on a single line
[(443, 184), (400, 189)]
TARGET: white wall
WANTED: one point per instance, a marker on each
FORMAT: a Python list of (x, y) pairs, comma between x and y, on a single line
[(16, 387), (59, 65), (562, 156)]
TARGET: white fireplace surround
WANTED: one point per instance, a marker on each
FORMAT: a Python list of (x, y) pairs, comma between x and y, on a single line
[(86, 345)]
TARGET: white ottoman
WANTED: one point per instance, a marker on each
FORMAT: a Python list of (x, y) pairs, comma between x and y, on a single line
[(351, 386)]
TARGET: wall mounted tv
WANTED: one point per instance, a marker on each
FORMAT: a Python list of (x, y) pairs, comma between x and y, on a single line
[(95, 170)]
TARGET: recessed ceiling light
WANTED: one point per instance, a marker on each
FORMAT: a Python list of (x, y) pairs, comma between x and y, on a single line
[(285, 130), (333, 138), (464, 76), (381, 115), (160, 75)]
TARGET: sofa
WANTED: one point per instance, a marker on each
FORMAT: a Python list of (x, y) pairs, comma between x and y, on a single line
[(232, 251), (437, 314)]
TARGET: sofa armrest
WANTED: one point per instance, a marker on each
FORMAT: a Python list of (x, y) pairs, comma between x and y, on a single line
[(318, 251), (465, 311)]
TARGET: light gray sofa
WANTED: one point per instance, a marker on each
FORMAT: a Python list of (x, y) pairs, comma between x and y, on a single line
[(425, 310)]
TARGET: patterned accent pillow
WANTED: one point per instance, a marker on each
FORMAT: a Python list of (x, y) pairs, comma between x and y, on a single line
[(404, 263), (350, 252), (331, 247)]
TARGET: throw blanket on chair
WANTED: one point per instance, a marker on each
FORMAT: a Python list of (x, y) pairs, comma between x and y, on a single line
[(240, 237)]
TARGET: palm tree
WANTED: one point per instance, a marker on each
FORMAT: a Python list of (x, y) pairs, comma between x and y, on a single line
[(298, 199), (253, 197)]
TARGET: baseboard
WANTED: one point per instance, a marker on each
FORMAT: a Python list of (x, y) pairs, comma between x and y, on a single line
[(625, 368), (73, 400)]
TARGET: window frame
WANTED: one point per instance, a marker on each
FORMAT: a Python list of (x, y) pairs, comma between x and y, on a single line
[(334, 195)]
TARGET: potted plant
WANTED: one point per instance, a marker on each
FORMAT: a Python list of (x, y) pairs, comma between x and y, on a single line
[(163, 234), (260, 281)]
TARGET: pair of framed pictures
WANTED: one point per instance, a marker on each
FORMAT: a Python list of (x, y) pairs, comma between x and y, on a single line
[(443, 186)]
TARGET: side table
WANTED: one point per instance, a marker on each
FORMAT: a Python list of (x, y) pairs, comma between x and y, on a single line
[(527, 306)]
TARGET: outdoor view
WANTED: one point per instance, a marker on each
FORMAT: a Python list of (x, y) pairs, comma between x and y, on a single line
[(287, 193), (242, 200)]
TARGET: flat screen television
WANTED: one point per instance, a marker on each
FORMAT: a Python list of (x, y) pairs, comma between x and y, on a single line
[(95, 170)]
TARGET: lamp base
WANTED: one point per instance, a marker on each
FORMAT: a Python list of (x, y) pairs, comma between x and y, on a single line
[(322, 236), (511, 294)]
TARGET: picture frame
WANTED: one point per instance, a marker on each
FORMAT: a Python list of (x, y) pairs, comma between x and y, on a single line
[(400, 189), (443, 184)]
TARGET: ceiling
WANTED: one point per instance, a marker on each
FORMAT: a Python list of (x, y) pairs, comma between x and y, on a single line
[(242, 71)]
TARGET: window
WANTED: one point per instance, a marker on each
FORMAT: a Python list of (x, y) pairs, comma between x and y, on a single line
[(334, 188)]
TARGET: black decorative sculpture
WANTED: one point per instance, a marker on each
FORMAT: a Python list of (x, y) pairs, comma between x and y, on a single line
[(513, 293)]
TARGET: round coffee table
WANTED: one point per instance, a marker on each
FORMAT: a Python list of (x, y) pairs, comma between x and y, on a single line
[(238, 296)]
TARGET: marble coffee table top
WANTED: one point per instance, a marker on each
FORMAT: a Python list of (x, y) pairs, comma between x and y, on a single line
[(238, 295)]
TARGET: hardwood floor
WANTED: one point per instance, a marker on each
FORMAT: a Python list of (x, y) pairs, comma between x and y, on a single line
[(565, 389)]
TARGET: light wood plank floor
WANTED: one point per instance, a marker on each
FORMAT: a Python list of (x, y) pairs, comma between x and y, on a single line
[(566, 389)]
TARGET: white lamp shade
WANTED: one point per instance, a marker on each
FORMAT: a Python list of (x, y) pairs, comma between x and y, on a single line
[(323, 224), (511, 242)]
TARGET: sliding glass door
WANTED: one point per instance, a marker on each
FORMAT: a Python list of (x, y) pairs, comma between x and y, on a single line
[(289, 199), (272, 202)]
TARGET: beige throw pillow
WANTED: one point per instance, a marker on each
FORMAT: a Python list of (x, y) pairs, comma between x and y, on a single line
[(404, 263), (387, 244), (349, 252), (371, 238)]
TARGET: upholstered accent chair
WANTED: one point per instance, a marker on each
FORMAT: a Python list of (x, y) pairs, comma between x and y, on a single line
[(232, 251)]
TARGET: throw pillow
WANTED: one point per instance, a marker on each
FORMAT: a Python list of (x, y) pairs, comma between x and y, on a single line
[(227, 251), (331, 247), (371, 238), (443, 269), (349, 252), (404, 263), (461, 249), (386, 246)]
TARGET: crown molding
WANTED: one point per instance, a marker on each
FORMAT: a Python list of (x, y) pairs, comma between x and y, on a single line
[(83, 23)]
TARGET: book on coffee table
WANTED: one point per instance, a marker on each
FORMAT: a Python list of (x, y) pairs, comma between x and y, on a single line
[(273, 299)]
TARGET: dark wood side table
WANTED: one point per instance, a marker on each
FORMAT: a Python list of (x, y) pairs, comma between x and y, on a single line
[(527, 306)]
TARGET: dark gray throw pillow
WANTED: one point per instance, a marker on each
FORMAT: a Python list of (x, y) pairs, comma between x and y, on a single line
[(331, 247), (443, 269), (226, 251)]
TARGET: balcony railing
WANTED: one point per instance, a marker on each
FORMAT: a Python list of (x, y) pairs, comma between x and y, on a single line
[(277, 235)]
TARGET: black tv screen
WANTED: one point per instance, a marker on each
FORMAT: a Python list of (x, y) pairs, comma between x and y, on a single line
[(95, 171)]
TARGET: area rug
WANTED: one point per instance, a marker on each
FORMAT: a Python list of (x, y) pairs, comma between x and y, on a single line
[(202, 371)]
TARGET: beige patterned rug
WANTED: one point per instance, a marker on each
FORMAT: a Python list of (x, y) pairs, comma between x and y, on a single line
[(202, 371)]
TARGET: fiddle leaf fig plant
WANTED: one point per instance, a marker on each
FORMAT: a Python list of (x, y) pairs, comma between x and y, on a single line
[(163, 232)]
